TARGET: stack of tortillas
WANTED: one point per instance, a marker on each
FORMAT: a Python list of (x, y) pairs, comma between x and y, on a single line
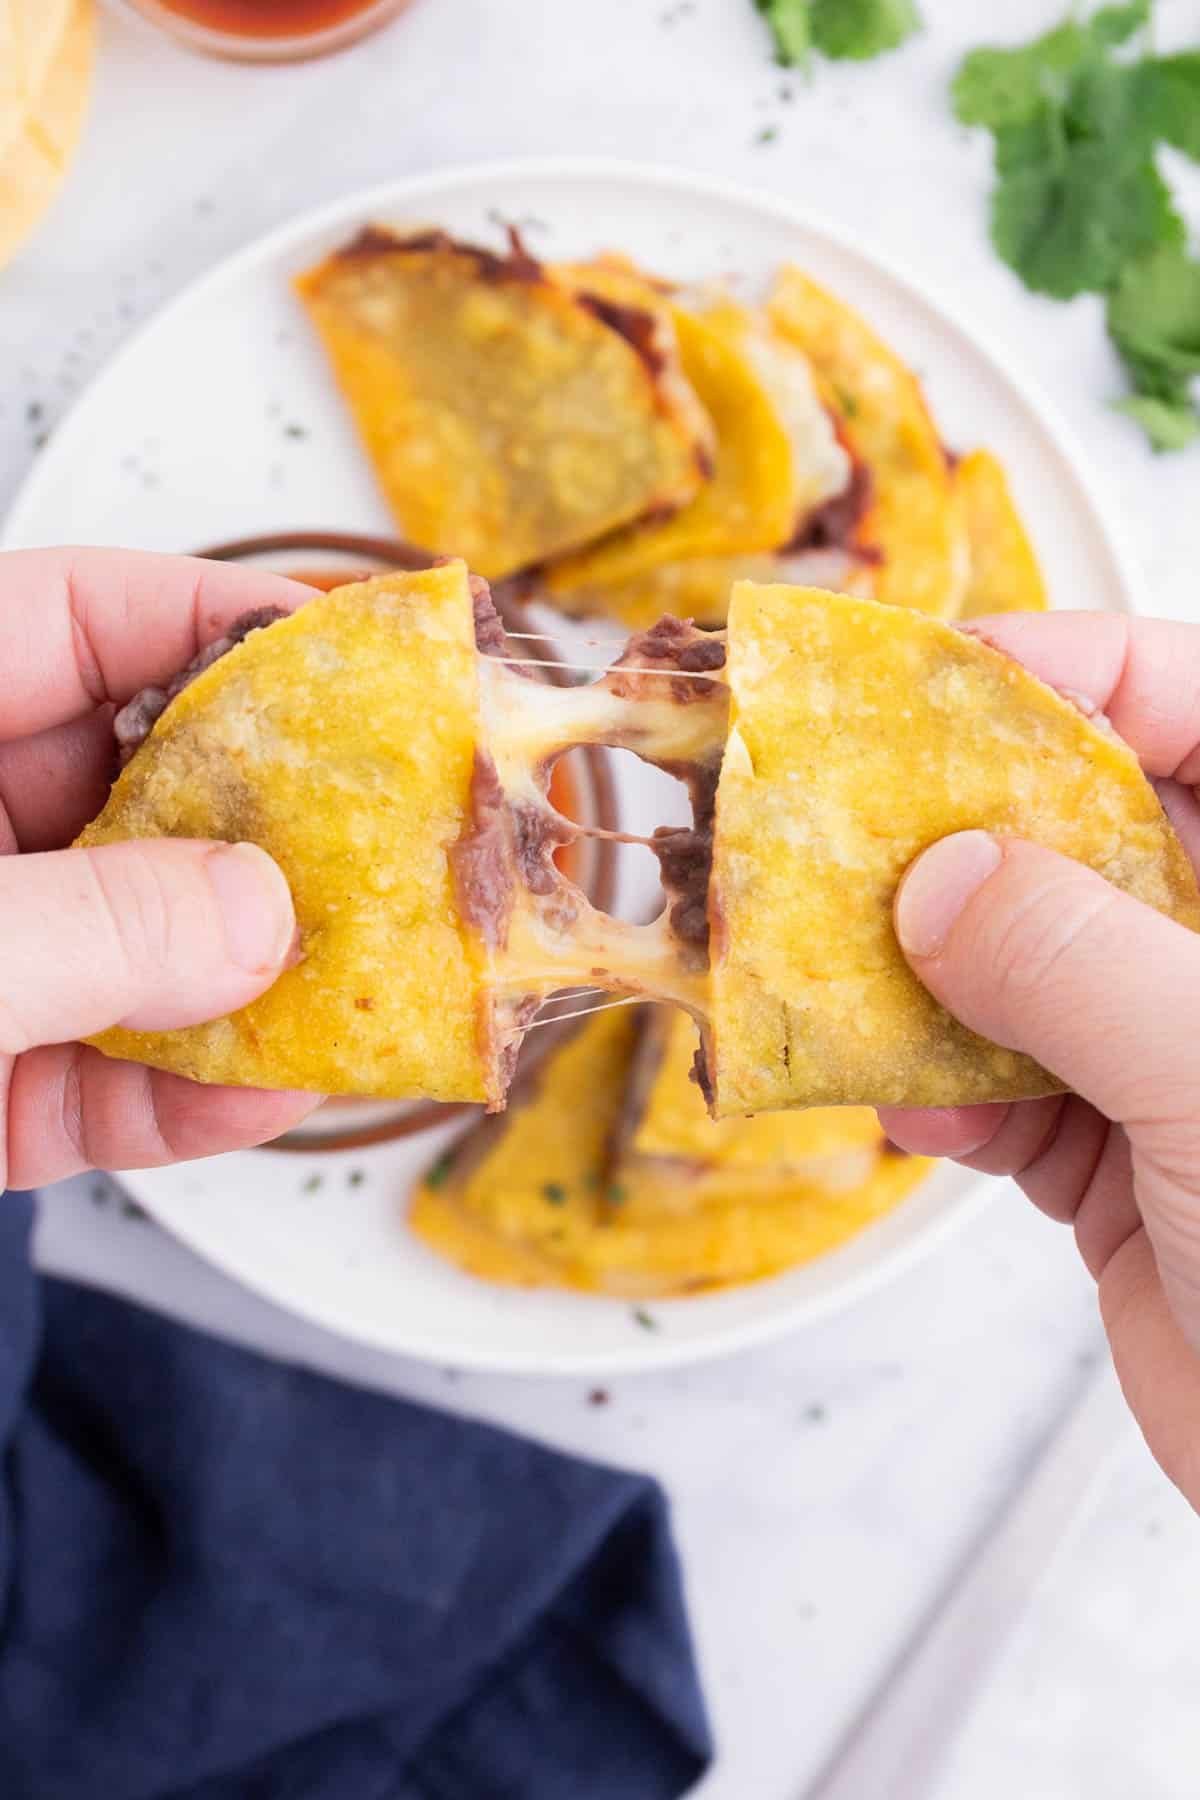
[(46, 49)]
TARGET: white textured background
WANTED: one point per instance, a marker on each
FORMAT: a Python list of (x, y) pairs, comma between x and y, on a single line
[(823, 1488)]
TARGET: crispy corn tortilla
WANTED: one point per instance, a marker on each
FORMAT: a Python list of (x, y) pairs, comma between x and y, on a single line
[(673, 1157), (698, 587), (777, 458), (341, 740), (859, 735), (42, 108), (529, 1199), (1003, 570), (508, 418), (910, 525)]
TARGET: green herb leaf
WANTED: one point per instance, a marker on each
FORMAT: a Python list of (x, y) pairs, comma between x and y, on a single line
[(1068, 225), (311, 1184), (1169, 424), (856, 30), (1117, 24), (791, 27), (1172, 100), (646, 1320), (616, 1195), (1154, 317), (554, 1192), (1006, 87)]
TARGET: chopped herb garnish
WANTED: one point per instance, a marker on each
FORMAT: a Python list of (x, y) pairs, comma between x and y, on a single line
[(437, 1172), (767, 135), (131, 1210), (98, 1193), (356, 1177), (312, 1184), (816, 1414), (646, 1320), (616, 1195), (295, 431), (554, 1192), (847, 402)]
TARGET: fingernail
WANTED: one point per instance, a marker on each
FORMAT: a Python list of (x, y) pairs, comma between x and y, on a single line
[(938, 886), (256, 906)]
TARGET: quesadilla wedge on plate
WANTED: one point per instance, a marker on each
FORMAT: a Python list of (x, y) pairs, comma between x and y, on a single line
[(508, 417), (555, 1193), (906, 525), (777, 456), (1003, 573)]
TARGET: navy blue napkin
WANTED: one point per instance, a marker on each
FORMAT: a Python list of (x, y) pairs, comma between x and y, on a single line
[(225, 1579)]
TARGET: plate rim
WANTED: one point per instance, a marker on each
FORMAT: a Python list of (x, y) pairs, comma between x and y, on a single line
[(647, 1352)]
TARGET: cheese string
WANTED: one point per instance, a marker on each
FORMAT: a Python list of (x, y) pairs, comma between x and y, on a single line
[(585, 1012), (535, 662)]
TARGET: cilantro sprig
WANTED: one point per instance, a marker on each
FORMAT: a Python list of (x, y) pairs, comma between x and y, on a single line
[(847, 30), (1079, 204)]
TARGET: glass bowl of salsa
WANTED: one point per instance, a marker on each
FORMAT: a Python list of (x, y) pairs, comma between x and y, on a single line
[(268, 30), (581, 788)]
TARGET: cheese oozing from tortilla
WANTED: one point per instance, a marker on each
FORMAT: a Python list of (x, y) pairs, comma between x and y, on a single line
[(384, 745)]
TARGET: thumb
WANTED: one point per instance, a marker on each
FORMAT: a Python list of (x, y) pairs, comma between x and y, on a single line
[(148, 935), (1041, 954)]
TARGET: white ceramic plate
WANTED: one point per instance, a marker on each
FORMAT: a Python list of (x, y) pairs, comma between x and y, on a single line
[(218, 421)]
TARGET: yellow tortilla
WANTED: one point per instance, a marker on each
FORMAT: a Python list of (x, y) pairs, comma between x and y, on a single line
[(1004, 574), (674, 1157), (341, 740), (45, 80), (507, 417), (910, 524), (699, 587), (529, 1199), (859, 735), (776, 459)]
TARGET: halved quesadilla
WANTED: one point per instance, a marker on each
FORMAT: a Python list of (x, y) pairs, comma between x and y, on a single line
[(509, 418), (859, 734), (385, 745)]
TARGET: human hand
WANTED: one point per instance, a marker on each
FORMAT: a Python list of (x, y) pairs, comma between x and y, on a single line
[(148, 935), (1041, 955)]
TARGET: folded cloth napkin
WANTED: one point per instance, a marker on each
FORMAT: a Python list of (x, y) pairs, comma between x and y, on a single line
[(223, 1579)]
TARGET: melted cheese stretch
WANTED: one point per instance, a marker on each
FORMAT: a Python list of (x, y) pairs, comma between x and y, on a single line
[(557, 939)]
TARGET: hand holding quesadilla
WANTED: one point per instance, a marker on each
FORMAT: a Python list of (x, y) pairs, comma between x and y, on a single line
[(153, 934)]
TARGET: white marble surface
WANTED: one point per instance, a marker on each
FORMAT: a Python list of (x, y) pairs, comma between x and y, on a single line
[(823, 1488)]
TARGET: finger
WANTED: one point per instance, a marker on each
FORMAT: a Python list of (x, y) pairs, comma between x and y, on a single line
[(1158, 1368), (149, 935), (1143, 674), (1038, 953), (52, 784), (70, 1108), (942, 1130), (82, 627), (1182, 807)]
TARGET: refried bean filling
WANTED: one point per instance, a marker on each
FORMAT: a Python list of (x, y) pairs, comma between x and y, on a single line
[(507, 843)]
